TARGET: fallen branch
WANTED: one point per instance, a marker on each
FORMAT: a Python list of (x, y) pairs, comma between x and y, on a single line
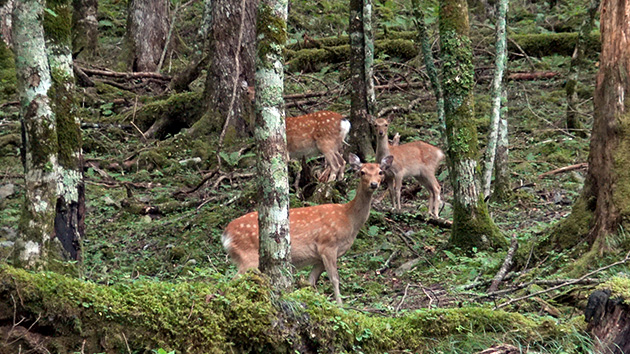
[(578, 166), (125, 75), (506, 265), (533, 76), (571, 282)]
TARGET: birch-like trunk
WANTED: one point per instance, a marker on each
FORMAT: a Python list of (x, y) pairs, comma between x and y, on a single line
[(573, 122), (429, 62), (502, 188), (270, 135), (70, 205), (500, 62), (5, 21), (39, 134), (472, 226), (362, 98)]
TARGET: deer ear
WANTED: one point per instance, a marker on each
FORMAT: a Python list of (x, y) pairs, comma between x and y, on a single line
[(354, 161), (390, 117), (386, 162)]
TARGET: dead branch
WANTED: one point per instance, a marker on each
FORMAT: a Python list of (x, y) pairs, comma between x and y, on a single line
[(125, 75), (506, 265), (571, 282), (578, 166)]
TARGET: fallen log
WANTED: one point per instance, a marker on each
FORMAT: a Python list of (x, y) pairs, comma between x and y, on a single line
[(563, 169), (124, 75), (608, 317)]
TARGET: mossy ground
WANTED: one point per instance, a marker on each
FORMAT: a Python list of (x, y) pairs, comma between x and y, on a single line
[(179, 247)]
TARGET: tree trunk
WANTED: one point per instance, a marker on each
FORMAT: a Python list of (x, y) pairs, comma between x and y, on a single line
[(85, 27), (147, 27), (5, 21), (70, 205), (362, 94), (429, 62), (500, 62), (603, 205), (609, 322), (573, 122), (502, 188), (270, 135), (39, 136), (232, 49), (472, 226)]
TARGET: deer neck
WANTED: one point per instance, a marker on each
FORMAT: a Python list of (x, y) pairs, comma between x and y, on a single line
[(359, 207), (382, 147)]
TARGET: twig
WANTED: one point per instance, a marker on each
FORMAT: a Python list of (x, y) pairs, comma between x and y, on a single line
[(506, 265), (126, 75), (563, 284), (427, 294), (529, 60), (192, 307), (126, 343), (563, 169), (403, 298), (387, 262)]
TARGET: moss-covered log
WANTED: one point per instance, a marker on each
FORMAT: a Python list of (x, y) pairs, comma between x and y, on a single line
[(608, 316), (67, 315), (403, 45)]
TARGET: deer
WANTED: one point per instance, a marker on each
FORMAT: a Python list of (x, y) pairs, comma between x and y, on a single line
[(416, 159), (323, 131), (319, 234)]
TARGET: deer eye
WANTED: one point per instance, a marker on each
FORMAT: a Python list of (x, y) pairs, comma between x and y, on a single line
[(381, 173), (362, 173)]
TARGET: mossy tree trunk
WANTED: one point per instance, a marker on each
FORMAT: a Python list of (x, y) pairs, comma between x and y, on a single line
[(39, 135), (472, 226), (232, 47), (70, 205), (603, 208), (500, 63), (429, 62), (270, 134), (85, 27), (147, 27), (362, 97), (573, 122)]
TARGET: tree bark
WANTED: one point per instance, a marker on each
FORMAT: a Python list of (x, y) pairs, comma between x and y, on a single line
[(147, 27), (500, 63), (5, 22), (429, 62), (603, 206), (232, 47), (39, 136), (573, 122), (85, 27), (502, 188), (362, 97), (270, 135), (70, 205), (609, 322), (472, 226)]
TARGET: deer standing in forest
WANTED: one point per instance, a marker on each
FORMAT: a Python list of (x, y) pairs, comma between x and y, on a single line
[(416, 159), (319, 234), (322, 131)]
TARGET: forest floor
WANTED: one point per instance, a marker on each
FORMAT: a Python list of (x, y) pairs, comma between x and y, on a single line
[(154, 213)]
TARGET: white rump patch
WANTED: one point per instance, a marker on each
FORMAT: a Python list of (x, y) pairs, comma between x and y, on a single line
[(345, 128), (226, 240)]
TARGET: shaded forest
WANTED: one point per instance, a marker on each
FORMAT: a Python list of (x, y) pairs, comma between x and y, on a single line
[(158, 144)]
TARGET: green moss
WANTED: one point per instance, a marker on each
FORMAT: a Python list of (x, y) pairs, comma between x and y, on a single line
[(58, 22), (272, 33), (568, 232), (477, 230), (182, 109), (8, 83), (68, 129), (619, 286)]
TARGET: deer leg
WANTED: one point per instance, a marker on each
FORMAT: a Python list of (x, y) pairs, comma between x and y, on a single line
[(433, 187), (333, 164), (398, 183), (330, 263), (342, 165), (315, 273)]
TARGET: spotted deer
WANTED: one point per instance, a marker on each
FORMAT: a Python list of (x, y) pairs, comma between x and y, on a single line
[(319, 234), (416, 159), (316, 132)]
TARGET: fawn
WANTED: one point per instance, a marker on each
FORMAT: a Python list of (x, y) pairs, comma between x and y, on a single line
[(323, 132), (319, 234), (416, 159)]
